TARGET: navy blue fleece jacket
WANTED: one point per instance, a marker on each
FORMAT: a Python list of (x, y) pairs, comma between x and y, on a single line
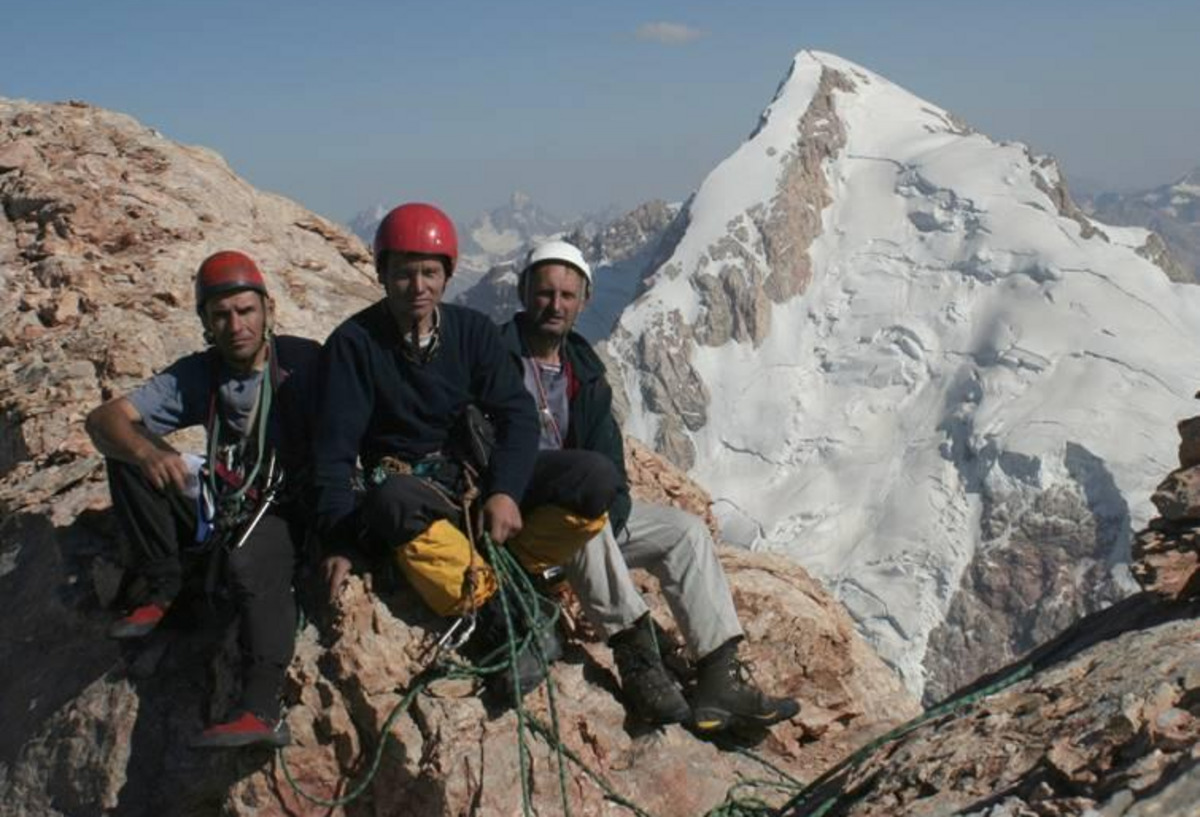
[(375, 401)]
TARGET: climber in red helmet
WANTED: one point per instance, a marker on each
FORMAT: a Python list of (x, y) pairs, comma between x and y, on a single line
[(237, 511), (401, 381)]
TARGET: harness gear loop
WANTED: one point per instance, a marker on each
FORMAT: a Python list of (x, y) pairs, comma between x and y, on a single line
[(268, 496)]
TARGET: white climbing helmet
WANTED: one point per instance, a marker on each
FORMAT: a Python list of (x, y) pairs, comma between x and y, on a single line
[(560, 251)]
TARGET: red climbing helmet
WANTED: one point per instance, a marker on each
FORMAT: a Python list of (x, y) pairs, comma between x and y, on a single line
[(417, 228), (227, 271)]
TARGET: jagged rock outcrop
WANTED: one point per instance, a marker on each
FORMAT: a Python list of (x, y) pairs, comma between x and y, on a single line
[(1167, 554), (104, 223), (1108, 724)]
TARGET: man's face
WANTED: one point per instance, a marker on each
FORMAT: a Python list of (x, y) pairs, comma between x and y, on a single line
[(238, 324), (414, 285), (554, 296)]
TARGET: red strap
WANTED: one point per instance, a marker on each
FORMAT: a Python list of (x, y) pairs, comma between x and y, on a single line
[(572, 381), (234, 479)]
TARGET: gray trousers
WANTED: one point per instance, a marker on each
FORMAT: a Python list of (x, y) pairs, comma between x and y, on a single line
[(676, 548)]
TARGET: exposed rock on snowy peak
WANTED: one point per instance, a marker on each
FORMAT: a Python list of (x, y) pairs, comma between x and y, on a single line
[(1172, 211), (495, 294), (894, 349)]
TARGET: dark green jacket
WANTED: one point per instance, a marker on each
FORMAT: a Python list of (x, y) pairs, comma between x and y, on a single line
[(591, 426)]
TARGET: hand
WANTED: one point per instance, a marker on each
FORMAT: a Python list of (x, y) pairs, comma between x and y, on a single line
[(164, 468), (501, 518), (335, 569)]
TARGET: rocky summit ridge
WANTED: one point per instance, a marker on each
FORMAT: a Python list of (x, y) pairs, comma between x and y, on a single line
[(104, 222)]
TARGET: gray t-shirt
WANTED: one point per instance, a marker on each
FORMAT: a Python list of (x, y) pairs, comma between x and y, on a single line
[(178, 396), (548, 385)]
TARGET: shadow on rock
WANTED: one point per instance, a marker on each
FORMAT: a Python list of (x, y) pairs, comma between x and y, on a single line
[(52, 634)]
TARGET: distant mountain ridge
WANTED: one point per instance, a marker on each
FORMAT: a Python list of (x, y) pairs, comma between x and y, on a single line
[(621, 252), (1170, 210)]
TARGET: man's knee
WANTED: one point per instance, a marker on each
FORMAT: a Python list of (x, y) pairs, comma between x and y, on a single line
[(692, 528), (602, 482), (583, 481), (682, 536), (553, 535)]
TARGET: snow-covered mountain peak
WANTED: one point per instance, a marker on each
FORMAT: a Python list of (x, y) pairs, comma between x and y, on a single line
[(894, 348), (768, 187), (1190, 180)]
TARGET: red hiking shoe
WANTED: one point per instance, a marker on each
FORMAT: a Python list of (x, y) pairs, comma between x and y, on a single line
[(245, 729), (140, 622)]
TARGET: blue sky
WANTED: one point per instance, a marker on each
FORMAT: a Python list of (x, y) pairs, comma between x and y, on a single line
[(344, 105)]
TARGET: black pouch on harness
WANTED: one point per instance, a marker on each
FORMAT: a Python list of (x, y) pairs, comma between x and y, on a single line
[(473, 437)]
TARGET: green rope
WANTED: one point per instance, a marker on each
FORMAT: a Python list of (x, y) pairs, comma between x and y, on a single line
[(736, 805), (532, 603), (384, 733), (610, 794), (522, 748)]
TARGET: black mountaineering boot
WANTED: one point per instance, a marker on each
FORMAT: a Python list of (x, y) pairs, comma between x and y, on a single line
[(490, 646), (726, 695), (649, 690)]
